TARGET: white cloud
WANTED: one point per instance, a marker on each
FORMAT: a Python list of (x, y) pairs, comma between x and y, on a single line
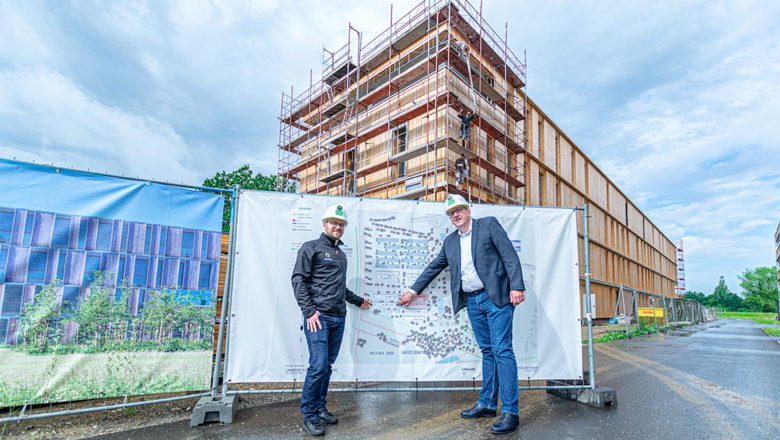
[(60, 124)]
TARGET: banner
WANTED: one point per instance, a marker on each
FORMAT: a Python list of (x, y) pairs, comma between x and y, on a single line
[(388, 243), (645, 312), (106, 285)]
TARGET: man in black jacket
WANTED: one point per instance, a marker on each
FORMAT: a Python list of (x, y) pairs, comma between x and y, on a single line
[(487, 279), (319, 284)]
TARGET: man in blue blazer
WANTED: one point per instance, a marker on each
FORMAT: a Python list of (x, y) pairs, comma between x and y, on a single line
[(487, 279)]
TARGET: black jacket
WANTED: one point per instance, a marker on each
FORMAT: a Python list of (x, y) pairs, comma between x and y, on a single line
[(494, 257), (319, 279)]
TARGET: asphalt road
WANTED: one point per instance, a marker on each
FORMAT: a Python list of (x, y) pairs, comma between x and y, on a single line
[(718, 380)]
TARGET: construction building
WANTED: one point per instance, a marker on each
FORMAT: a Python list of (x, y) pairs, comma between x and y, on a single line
[(386, 119)]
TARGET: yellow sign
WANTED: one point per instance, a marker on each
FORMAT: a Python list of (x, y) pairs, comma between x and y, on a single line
[(647, 312)]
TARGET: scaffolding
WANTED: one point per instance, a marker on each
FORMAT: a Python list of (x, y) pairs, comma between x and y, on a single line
[(679, 290), (383, 118)]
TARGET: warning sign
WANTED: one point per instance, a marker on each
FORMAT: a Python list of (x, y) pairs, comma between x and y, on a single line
[(649, 312)]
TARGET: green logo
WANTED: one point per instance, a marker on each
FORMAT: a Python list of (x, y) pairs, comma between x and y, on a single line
[(339, 210), (450, 200)]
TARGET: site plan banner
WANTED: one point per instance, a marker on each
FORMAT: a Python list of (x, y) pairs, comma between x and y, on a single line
[(388, 244)]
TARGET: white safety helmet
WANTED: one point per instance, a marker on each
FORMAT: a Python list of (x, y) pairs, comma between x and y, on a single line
[(453, 201), (335, 212)]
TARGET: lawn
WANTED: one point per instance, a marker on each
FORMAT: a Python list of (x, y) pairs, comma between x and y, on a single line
[(758, 318), (79, 376), (775, 332)]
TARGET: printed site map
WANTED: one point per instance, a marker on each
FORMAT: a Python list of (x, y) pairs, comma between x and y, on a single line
[(425, 332)]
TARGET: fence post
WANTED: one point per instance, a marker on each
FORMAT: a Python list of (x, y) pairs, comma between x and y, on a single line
[(586, 241)]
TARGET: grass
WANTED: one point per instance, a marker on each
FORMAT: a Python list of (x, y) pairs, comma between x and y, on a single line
[(81, 376), (619, 333), (757, 317), (774, 332)]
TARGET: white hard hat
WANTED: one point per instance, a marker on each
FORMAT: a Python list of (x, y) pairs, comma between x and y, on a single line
[(453, 201), (335, 212)]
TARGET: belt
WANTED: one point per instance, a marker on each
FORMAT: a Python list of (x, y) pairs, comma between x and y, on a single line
[(476, 292)]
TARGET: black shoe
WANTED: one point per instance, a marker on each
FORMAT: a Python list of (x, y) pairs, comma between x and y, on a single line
[(478, 411), (327, 417), (505, 424), (313, 427)]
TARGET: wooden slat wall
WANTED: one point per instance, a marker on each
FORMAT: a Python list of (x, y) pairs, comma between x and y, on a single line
[(626, 248), (223, 256)]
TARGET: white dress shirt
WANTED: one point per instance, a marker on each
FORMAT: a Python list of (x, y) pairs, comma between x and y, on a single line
[(469, 280)]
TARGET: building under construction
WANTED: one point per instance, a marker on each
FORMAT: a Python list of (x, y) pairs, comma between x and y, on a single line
[(436, 104)]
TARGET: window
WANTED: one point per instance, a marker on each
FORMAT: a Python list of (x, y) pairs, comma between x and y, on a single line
[(125, 233), (204, 277), (120, 273), (399, 138), (187, 243), (36, 268), (82, 234), (28, 227), (61, 232), (6, 226), (3, 330), (3, 258), (159, 273), (139, 274), (148, 240), (163, 238), (141, 299), (12, 300), (61, 266), (105, 228), (204, 247), (181, 274), (91, 265)]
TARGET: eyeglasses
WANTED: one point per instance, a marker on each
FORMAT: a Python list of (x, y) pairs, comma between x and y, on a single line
[(336, 224), (456, 210)]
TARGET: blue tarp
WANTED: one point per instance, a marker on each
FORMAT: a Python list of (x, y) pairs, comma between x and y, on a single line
[(86, 194)]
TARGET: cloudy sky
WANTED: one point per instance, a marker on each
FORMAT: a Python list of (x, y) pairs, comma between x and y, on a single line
[(677, 102)]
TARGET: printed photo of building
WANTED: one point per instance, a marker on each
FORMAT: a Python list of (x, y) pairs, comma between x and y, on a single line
[(39, 248)]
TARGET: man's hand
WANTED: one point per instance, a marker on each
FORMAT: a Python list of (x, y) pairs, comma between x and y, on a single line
[(366, 304), (406, 299), (313, 321), (516, 296)]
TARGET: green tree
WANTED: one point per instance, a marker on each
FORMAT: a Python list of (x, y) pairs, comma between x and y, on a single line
[(760, 287), (95, 313), (121, 316), (161, 315), (723, 297), (39, 320), (696, 296), (248, 180)]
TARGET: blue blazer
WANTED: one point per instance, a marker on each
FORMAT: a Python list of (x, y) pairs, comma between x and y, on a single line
[(495, 260)]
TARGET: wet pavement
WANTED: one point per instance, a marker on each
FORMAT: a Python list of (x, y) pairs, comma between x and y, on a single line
[(716, 380)]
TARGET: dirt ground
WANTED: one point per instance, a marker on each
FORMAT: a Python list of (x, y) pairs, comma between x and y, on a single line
[(106, 422)]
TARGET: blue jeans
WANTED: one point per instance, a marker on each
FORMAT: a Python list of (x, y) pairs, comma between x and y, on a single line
[(493, 330), (324, 347)]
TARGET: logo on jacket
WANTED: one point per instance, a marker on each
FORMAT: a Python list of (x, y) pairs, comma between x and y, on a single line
[(327, 256)]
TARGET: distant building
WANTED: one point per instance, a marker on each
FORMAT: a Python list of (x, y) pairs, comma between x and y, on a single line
[(777, 263), (37, 248)]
